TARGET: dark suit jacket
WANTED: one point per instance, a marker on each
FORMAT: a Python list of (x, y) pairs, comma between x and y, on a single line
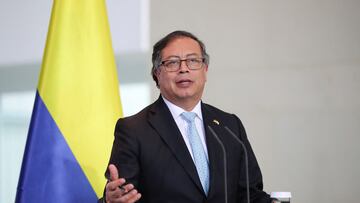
[(150, 152)]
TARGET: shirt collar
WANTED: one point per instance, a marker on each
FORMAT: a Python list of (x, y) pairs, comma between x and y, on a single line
[(177, 111)]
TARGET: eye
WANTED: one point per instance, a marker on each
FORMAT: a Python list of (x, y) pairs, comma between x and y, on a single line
[(171, 62), (193, 60)]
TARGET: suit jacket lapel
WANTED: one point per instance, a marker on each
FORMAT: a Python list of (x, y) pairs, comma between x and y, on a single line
[(216, 155), (159, 118)]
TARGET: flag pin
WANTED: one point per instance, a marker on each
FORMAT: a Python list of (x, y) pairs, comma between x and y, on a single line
[(216, 121)]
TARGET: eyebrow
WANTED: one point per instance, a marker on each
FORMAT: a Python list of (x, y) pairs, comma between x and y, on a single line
[(175, 56)]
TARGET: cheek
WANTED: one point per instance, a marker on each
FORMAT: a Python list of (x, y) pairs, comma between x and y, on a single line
[(164, 80), (160, 78), (204, 77), (205, 72)]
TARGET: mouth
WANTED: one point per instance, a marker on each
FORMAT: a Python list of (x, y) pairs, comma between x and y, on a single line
[(184, 82)]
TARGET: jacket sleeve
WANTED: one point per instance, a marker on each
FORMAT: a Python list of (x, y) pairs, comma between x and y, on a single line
[(125, 153)]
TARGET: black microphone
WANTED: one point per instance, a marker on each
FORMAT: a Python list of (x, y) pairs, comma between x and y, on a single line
[(225, 164), (246, 162)]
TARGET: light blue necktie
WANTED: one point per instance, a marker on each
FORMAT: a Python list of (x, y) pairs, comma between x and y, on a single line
[(198, 151)]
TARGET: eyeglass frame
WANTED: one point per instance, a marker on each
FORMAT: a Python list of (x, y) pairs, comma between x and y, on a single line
[(186, 60)]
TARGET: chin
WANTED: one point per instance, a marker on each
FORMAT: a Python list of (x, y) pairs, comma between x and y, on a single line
[(185, 94)]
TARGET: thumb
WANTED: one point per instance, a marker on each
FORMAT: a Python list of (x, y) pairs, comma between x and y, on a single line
[(114, 174)]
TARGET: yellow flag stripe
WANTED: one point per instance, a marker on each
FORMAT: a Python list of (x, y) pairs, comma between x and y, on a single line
[(79, 85)]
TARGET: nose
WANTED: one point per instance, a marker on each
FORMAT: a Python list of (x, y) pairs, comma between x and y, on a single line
[(183, 66)]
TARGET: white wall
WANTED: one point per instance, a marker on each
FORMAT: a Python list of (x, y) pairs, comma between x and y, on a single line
[(291, 71)]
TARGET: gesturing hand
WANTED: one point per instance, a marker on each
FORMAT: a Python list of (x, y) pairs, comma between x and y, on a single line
[(117, 191)]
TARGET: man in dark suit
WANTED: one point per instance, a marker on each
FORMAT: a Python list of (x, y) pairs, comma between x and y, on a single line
[(166, 152)]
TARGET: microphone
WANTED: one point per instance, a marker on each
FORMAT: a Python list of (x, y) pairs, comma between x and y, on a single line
[(225, 164), (246, 161)]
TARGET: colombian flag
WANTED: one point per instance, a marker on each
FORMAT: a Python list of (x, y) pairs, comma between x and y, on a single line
[(76, 107)]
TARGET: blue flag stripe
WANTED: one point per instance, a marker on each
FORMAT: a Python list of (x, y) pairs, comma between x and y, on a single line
[(50, 172)]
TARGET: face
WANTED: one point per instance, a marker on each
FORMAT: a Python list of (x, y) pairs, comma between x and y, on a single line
[(183, 87)]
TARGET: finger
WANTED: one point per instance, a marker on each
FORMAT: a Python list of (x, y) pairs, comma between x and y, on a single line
[(113, 192), (130, 197), (115, 184), (116, 196), (127, 195), (114, 174), (126, 188), (135, 198)]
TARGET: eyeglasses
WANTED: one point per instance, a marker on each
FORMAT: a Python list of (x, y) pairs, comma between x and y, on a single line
[(174, 65)]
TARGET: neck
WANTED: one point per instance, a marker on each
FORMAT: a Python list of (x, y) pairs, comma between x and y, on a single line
[(186, 104)]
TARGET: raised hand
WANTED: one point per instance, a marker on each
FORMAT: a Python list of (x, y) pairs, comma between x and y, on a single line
[(118, 191)]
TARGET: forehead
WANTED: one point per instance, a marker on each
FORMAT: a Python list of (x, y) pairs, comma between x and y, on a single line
[(181, 47)]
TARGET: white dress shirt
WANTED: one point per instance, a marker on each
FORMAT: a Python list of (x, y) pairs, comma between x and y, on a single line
[(183, 125)]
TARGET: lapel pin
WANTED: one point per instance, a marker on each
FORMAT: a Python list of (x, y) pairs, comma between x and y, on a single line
[(216, 122)]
